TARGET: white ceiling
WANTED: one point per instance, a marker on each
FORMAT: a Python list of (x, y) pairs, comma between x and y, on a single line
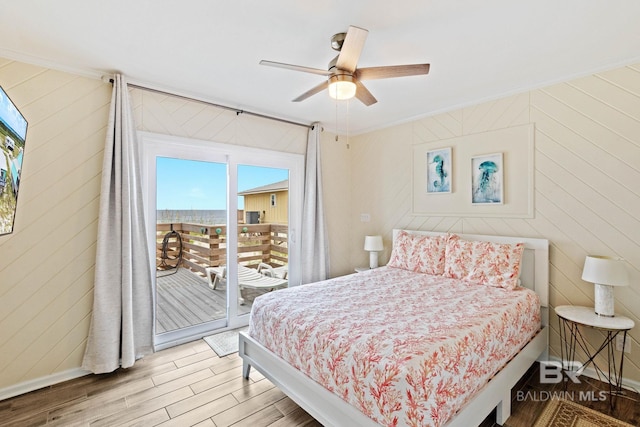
[(478, 50)]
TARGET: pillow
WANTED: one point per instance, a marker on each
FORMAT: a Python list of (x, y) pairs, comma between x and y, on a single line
[(429, 254), (487, 263), (422, 254), (401, 252)]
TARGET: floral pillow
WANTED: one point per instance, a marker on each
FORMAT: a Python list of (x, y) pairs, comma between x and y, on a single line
[(422, 254), (487, 263), (429, 254), (402, 251)]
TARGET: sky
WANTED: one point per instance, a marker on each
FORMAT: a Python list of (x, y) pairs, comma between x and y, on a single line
[(192, 184), (11, 116)]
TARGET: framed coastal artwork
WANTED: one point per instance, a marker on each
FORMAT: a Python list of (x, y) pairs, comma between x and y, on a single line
[(13, 133), (439, 173), (487, 174), (487, 177)]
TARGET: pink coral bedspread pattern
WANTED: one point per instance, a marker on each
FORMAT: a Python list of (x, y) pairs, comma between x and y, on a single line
[(404, 348)]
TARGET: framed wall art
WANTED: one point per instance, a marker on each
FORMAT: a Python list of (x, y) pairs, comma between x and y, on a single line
[(13, 133), (500, 188), (487, 179), (439, 173)]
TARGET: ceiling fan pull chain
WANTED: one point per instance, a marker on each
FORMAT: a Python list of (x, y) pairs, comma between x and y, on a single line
[(336, 102), (348, 103)]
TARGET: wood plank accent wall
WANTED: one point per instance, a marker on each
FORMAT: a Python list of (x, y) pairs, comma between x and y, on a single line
[(587, 194), (169, 115), (587, 184), (47, 263)]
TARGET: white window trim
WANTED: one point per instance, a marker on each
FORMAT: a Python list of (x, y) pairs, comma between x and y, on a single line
[(152, 145)]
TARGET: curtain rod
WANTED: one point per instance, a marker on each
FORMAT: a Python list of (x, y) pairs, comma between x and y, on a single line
[(238, 112)]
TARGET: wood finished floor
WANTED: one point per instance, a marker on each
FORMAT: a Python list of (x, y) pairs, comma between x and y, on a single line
[(190, 385), (529, 397)]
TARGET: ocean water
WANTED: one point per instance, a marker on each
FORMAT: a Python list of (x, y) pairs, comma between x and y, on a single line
[(206, 216)]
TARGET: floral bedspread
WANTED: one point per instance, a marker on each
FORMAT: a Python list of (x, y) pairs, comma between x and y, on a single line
[(407, 349)]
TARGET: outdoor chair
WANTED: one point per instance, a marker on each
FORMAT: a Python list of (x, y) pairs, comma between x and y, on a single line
[(247, 278), (278, 272)]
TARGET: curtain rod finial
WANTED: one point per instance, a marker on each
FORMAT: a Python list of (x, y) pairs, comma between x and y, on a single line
[(106, 79)]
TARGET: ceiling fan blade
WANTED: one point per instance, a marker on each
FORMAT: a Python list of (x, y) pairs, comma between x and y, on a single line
[(319, 88), (351, 49), (295, 67), (390, 71), (363, 94)]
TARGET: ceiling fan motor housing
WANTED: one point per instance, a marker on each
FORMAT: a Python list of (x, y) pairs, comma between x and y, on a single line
[(341, 76), (332, 63)]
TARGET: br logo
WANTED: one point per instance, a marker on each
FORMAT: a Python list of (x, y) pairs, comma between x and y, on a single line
[(552, 372)]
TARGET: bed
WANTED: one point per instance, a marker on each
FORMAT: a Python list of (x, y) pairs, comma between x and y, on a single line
[(380, 347)]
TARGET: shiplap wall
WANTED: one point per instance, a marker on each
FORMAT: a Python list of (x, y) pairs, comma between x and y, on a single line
[(336, 181), (587, 184), (587, 193), (169, 115), (47, 263)]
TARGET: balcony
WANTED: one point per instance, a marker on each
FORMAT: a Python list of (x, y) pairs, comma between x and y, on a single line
[(184, 297)]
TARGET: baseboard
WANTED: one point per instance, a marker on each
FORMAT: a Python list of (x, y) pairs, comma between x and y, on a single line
[(42, 382), (591, 373)]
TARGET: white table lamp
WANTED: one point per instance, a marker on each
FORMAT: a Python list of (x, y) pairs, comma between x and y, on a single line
[(373, 244), (605, 273)]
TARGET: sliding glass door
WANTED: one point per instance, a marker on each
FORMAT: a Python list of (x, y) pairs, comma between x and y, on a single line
[(208, 204), (262, 244), (191, 206)]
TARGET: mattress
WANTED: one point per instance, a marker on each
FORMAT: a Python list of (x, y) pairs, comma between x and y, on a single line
[(405, 348)]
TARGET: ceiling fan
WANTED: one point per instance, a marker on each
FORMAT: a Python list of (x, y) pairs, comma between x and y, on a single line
[(343, 77)]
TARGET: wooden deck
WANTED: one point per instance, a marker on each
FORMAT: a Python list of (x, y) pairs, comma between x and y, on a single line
[(185, 299)]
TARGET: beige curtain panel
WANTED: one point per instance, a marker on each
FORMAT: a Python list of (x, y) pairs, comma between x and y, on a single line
[(121, 328), (314, 242)]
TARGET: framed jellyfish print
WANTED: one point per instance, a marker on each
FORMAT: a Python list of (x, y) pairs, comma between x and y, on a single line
[(487, 176), (439, 172)]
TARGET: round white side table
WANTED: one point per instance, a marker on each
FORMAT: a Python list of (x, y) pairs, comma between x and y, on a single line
[(573, 317)]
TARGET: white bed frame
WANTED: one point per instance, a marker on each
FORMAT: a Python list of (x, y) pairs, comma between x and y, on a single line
[(331, 410)]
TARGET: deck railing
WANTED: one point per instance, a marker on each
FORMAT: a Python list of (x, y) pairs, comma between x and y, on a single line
[(206, 245)]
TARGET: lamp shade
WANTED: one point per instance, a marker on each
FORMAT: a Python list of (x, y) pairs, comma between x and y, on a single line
[(605, 270), (373, 243)]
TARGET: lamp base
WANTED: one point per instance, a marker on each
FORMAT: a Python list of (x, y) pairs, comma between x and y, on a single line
[(604, 300), (373, 259)]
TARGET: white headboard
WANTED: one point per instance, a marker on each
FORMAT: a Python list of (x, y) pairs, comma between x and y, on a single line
[(534, 272)]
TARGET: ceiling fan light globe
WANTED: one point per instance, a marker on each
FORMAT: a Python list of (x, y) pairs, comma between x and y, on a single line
[(342, 87)]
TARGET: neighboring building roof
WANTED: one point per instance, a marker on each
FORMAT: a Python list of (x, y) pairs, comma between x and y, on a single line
[(269, 188)]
